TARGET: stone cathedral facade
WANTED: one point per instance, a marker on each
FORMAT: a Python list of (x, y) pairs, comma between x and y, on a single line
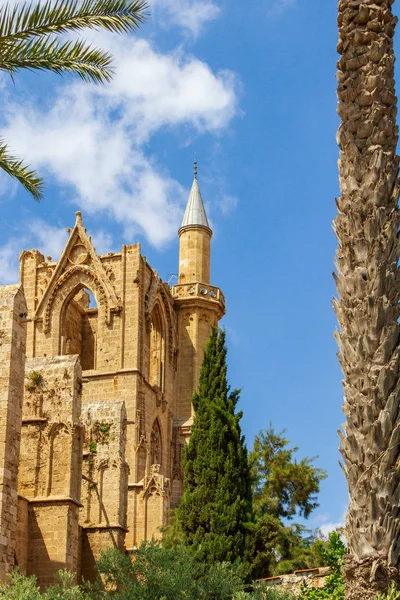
[(95, 398)]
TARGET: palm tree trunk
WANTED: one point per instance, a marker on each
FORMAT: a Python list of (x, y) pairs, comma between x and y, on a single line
[(368, 283)]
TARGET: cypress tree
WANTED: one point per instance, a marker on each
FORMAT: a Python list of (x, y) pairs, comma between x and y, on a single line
[(215, 513)]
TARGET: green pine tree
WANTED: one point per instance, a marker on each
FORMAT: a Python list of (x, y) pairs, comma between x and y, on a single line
[(215, 513)]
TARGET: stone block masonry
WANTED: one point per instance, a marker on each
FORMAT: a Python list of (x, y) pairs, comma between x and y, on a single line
[(51, 464), (105, 482), (13, 311)]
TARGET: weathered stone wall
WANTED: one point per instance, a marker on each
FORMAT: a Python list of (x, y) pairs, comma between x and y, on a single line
[(105, 481), (312, 578), (51, 463), (13, 310), (21, 549), (53, 538)]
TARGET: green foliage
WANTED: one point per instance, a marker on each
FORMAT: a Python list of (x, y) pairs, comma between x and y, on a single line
[(105, 430), (35, 379), (271, 594), (15, 167), (172, 533), (262, 592), (30, 39), (393, 593), (155, 573), (92, 446), (279, 549), (215, 514), (334, 583), (283, 487), (20, 587), (66, 589), (334, 552)]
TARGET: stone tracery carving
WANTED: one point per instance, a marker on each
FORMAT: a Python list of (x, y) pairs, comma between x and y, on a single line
[(157, 484), (151, 294), (78, 252), (158, 292), (155, 445)]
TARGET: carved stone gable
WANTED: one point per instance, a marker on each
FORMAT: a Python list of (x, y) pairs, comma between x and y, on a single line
[(78, 264)]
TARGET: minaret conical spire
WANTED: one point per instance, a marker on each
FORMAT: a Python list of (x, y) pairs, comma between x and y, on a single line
[(195, 214), (195, 235)]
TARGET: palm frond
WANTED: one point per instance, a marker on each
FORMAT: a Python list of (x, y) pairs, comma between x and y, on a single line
[(46, 54), (15, 168), (59, 16)]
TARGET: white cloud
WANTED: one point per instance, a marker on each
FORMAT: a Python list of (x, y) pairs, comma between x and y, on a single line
[(9, 265), (227, 203), (48, 239), (191, 15), (156, 90), (103, 242), (327, 528), (327, 525), (277, 7), (94, 138)]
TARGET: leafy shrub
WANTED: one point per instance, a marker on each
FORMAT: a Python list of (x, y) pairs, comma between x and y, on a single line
[(155, 573), (262, 592), (66, 589), (392, 594), (334, 584), (35, 380), (21, 587)]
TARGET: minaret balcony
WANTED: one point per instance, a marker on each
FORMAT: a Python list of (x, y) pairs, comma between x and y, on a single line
[(203, 291)]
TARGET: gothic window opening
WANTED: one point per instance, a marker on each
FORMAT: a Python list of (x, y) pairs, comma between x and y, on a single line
[(79, 328), (157, 350), (155, 444)]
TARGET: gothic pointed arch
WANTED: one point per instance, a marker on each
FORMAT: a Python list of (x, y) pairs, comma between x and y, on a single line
[(56, 311), (79, 264), (159, 292), (79, 326), (171, 321), (157, 348)]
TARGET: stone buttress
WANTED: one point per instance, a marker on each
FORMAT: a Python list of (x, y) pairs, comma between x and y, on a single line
[(13, 311)]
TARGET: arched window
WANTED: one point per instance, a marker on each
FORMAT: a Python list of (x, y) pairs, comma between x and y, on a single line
[(155, 444), (79, 328), (157, 350)]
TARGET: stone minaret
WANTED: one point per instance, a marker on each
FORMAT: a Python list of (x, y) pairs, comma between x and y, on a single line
[(199, 305), (194, 237)]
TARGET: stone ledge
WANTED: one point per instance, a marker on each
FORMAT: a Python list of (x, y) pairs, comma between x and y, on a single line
[(92, 374), (54, 500), (104, 527)]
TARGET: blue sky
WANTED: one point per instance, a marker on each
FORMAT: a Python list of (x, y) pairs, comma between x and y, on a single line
[(249, 88)]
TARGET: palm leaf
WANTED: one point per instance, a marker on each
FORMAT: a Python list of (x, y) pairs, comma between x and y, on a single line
[(60, 16), (45, 54), (15, 168), (27, 42)]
